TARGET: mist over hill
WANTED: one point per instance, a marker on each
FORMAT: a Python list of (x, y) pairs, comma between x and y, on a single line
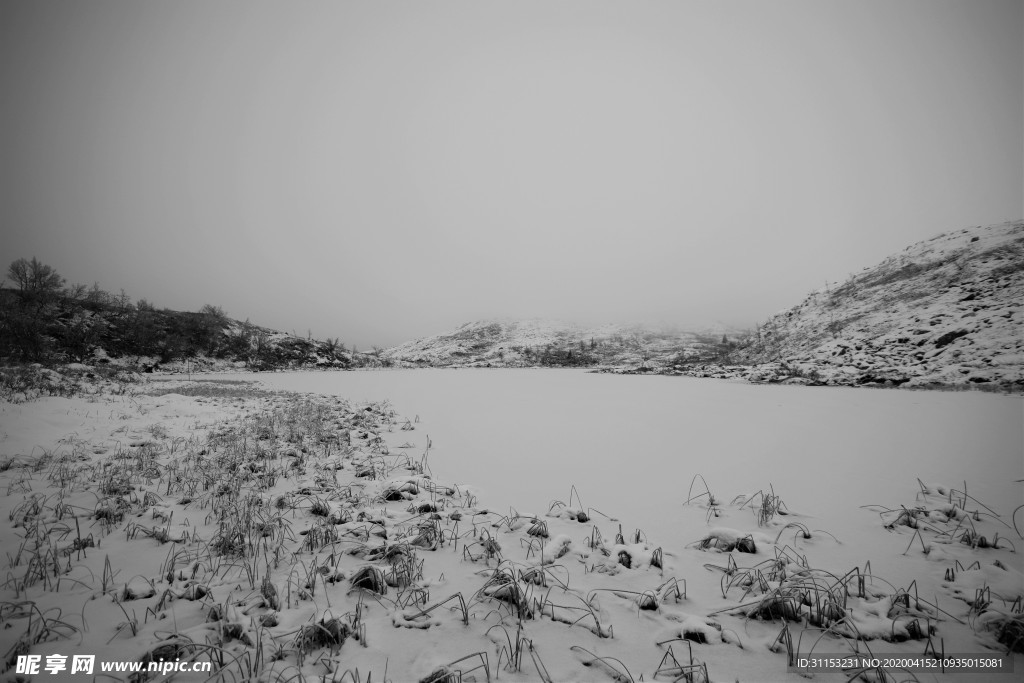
[(945, 312), (546, 343), (942, 312)]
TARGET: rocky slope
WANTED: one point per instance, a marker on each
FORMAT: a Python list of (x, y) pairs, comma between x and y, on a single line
[(946, 311)]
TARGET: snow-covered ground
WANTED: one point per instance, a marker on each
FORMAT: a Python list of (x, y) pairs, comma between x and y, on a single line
[(631, 445), (482, 564)]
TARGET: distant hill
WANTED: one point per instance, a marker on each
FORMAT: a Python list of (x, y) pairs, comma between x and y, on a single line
[(946, 311), (546, 343)]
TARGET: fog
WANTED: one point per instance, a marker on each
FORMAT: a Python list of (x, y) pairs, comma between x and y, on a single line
[(384, 171)]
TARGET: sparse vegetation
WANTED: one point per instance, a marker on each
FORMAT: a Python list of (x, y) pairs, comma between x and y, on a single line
[(44, 321)]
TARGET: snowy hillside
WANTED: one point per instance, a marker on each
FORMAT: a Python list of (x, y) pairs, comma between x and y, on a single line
[(524, 343), (946, 311), (943, 312)]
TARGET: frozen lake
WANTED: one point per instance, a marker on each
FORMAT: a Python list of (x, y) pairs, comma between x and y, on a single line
[(632, 444)]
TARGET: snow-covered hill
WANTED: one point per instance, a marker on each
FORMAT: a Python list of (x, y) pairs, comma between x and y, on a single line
[(946, 311), (521, 343)]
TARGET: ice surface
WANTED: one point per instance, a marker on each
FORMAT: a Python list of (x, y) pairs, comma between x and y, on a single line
[(632, 445)]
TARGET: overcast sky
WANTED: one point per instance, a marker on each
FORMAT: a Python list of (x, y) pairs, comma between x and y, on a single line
[(381, 171)]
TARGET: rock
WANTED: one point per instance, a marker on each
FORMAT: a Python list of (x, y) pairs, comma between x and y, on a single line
[(949, 337)]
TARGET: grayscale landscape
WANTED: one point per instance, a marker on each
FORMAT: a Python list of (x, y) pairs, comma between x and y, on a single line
[(447, 341)]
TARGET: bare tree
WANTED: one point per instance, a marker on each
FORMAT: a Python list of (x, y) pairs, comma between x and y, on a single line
[(27, 320), (34, 278), (214, 312)]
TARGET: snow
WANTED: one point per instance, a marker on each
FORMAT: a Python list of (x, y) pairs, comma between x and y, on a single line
[(583, 458), (943, 311), (502, 342), (524, 437)]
